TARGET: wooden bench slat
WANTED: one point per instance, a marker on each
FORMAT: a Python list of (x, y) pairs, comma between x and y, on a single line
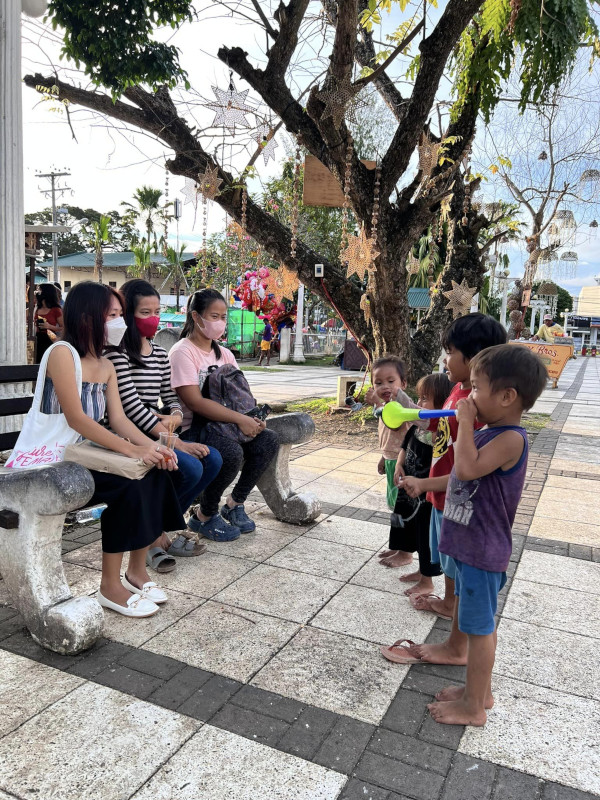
[(17, 373), (8, 440), (15, 405)]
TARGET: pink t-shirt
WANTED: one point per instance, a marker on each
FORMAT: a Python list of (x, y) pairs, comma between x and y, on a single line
[(189, 367)]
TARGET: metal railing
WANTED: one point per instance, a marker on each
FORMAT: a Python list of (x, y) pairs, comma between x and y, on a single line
[(318, 345)]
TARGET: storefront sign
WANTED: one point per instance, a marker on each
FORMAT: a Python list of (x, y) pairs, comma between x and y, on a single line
[(554, 356), (579, 322)]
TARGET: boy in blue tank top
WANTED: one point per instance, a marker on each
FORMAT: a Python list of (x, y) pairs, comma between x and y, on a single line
[(483, 493)]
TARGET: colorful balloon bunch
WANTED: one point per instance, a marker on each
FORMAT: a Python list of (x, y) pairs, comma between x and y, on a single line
[(252, 291)]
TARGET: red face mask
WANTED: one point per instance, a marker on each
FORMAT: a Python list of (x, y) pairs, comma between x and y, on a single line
[(147, 326)]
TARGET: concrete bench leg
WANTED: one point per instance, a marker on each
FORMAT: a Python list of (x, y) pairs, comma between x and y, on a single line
[(30, 556), (275, 484)]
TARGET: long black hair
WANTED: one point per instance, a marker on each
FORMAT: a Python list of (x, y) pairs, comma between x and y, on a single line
[(84, 316), (47, 293), (199, 302), (132, 290)]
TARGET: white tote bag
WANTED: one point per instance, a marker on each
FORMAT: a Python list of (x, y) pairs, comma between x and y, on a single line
[(43, 439)]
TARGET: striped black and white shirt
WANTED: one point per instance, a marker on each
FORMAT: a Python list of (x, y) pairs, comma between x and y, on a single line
[(141, 388)]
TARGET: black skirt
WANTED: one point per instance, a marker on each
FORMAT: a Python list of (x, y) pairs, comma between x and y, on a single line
[(137, 511)]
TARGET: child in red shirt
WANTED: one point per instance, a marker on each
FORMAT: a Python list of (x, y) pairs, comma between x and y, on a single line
[(462, 339)]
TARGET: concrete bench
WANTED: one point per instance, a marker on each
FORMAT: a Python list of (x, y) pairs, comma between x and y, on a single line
[(33, 504)]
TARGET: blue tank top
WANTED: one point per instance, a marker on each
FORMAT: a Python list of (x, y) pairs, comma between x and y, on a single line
[(479, 514)]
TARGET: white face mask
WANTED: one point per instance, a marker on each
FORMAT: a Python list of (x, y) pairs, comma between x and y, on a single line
[(114, 330)]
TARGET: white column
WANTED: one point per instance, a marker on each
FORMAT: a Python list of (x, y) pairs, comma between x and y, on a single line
[(298, 348), (532, 326)]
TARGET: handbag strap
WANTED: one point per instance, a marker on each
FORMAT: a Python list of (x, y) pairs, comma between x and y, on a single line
[(41, 378)]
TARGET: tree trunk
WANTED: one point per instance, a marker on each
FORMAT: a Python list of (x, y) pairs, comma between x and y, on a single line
[(99, 262)]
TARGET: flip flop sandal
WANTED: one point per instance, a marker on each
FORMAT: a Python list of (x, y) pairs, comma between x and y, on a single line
[(422, 602), (402, 652), (158, 560), (181, 546)]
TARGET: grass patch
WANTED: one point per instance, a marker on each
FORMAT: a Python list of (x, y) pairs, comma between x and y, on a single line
[(259, 369), (534, 423), (326, 361)]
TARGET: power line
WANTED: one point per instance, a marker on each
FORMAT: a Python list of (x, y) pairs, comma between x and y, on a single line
[(52, 192)]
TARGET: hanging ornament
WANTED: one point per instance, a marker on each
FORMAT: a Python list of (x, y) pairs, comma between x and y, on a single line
[(359, 254), (265, 139), (365, 300), (565, 219), (209, 182), (166, 216), (230, 107), (294, 214), (428, 155), (346, 204), (567, 265), (459, 298), (337, 99), (282, 282), (375, 219), (413, 265), (244, 237)]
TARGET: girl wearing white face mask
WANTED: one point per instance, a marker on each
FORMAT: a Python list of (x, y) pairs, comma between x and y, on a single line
[(191, 359), (137, 511)]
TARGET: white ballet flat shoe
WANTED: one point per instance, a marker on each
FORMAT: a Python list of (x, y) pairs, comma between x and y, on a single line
[(149, 590), (137, 606)]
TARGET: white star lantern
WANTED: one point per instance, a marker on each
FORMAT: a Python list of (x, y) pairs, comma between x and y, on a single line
[(190, 192), (230, 107), (266, 140)]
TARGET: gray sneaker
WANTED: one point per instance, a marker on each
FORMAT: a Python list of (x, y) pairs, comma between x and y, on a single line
[(237, 516)]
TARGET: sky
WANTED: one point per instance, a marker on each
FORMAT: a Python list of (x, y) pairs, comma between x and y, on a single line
[(107, 164)]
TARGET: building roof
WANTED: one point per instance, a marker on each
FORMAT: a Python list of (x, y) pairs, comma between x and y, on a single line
[(418, 298), (111, 260)]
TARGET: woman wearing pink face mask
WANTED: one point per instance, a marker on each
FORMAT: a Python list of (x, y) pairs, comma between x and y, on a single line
[(144, 378), (191, 361)]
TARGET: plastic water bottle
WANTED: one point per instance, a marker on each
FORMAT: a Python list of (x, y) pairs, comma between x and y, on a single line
[(89, 514)]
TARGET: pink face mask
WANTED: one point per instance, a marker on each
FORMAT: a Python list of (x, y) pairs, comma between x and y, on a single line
[(212, 329)]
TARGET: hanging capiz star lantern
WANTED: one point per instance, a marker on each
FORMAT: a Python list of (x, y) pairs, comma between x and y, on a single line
[(460, 298), (265, 139), (190, 192), (359, 254), (209, 182), (413, 265), (337, 99), (282, 282), (230, 107)]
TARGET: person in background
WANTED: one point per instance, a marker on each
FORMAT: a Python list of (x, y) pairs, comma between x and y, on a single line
[(144, 379), (549, 330), (48, 317), (265, 343), (60, 294)]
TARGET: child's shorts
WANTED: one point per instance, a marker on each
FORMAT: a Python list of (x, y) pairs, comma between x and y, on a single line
[(477, 591), (392, 490), (435, 528), (266, 346)]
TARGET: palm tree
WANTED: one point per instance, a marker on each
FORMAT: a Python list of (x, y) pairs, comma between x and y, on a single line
[(175, 263), (142, 262), (99, 234), (147, 209)]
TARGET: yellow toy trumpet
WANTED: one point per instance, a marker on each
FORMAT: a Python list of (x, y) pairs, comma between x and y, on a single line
[(394, 415)]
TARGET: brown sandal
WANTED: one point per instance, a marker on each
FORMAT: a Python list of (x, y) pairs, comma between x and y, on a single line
[(393, 652), (422, 602)]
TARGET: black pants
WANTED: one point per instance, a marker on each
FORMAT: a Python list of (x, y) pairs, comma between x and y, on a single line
[(414, 535), (256, 456)]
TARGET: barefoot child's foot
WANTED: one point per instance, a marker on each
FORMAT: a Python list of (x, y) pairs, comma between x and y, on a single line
[(440, 654), (410, 577), (456, 693), (457, 712), (401, 559), (387, 553), (424, 586), (433, 604)]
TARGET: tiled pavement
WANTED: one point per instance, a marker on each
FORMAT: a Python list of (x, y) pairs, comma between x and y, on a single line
[(282, 382), (262, 678)]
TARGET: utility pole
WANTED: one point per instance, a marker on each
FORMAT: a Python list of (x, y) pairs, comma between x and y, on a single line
[(52, 177)]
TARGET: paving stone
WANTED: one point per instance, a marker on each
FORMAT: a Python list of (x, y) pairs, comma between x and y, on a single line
[(362, 513), (345, 511), (269, 703), (444, 735), (449, 672), (152, 664), (469, 778), (411, 751), (23, 644), (554, 791), (406, 712), (425, 682), (128, 681), (68, 546), (104, 654), (344, 745), (209, 698), (398, 777), (305, 736), (513, 785), (359, 790), (250, 724), (580, 551), (7, 612), (11, 625), (176, 691)]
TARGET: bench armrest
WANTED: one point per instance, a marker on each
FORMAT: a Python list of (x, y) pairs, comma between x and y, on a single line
[(47, 491), (293, 428)]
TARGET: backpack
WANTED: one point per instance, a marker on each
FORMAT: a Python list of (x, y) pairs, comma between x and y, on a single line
[(228, 386)]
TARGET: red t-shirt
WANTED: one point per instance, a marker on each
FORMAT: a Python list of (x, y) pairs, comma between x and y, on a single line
[(443, 446)]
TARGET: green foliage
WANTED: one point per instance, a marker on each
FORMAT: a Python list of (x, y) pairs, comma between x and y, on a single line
[(146, 209), (114, 41), (545, 38)]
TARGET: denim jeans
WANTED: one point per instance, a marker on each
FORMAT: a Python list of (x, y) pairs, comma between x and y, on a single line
[(194, 475)]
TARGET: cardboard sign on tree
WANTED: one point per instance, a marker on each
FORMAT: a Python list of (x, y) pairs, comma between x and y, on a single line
[(321, 187)]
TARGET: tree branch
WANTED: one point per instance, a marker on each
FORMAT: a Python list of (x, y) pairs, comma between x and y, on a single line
[(268, 27), (289, 18), (382, 67)]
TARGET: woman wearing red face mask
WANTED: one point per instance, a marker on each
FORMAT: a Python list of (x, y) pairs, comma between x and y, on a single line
[(144, 378), (192, 359)]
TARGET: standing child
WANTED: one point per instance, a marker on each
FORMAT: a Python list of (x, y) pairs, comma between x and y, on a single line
[(482, 498), (388, 377), (462, 340), (410, 520)]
